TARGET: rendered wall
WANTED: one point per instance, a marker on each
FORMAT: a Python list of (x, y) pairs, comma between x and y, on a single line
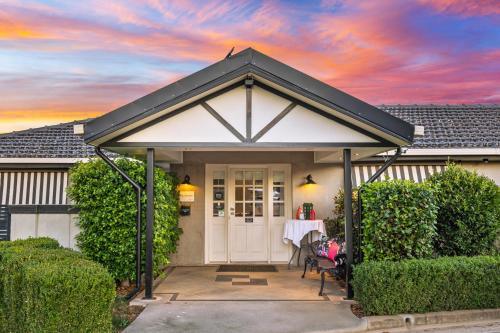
[(490, 170), (61, 227)]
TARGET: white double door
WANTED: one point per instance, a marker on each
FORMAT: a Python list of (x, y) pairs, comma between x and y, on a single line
[(246, 210)]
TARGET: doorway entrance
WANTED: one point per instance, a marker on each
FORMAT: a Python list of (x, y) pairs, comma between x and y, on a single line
[(246, 208), (248, 216)]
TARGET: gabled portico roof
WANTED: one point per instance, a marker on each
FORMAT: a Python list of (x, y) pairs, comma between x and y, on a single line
[(227, 72)]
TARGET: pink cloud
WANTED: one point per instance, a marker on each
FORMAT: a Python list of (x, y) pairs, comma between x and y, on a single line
[(369, 49), (465, 7)]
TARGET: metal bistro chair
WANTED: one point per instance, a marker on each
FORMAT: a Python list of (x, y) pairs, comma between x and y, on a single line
[(323, 265)]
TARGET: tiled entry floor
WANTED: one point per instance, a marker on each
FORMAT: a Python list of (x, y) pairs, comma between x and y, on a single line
[(204, 283)]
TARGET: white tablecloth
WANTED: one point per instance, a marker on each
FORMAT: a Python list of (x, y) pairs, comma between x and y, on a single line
[(295, 230)]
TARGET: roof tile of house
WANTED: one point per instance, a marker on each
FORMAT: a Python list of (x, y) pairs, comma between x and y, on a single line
[(57, 141), (446, 126), (452, 126)]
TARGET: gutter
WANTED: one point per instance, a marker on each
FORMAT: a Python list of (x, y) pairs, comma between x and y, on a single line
[(138, 189), (360, 190)]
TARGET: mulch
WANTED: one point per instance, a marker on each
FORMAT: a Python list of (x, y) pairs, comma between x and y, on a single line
[(357, 310)]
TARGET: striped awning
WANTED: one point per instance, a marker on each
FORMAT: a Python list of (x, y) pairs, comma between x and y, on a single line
[(33, 187), (417, 173)]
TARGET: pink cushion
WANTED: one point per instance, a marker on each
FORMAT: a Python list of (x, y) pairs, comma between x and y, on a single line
[(333, 250)]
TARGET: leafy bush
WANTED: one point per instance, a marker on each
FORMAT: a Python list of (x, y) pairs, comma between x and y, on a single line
[(468, 216), (108, 214), (399, 219), (52, 290), (425, 285), (336, 225)]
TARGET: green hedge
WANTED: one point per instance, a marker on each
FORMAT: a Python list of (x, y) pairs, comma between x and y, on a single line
[(399, 218), (52, 290), (39, 242), (468, 218), (107, 215), (426, 285)]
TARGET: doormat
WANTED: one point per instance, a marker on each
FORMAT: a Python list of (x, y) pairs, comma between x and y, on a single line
[(247, 268)]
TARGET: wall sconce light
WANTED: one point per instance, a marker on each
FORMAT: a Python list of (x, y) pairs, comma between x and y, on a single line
[(309, 180), (187, 180), (186, 189)]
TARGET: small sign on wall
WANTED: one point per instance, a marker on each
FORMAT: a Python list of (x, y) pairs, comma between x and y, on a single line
[(186, 196)]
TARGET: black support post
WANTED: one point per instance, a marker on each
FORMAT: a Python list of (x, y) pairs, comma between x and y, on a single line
[(149, 222), (348, 220)]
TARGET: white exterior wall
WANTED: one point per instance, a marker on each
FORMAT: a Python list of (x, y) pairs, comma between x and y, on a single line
[(61, 227), (490, 170)]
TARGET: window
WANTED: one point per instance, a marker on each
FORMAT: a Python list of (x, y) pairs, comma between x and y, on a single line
[(278, 193), (218, 190)]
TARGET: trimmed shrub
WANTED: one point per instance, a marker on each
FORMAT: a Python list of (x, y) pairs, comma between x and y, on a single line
[(39, 242), (468, 218), (108, 214), (53, 290), (399, 219), (426, 285)]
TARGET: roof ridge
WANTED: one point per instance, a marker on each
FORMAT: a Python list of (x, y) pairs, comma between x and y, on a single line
[(486, 105)]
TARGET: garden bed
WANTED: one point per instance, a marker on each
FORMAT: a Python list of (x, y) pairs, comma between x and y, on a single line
[(124, 313)]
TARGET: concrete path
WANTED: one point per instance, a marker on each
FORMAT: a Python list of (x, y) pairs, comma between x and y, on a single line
[(200, 299), (244, 316)]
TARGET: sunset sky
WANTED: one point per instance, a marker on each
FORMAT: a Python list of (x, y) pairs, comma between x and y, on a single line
[(68, 60)]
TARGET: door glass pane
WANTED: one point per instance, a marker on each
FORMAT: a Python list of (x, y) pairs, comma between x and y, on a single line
[(259, 209), (238, 178), (238, 209), (278, 178), (278, 209), (218, 177), (248, 193), (259, 194), (248, 178), (239, 193), (248, 209), (219, 193), (278, 193), (259, 177), (218, 210)]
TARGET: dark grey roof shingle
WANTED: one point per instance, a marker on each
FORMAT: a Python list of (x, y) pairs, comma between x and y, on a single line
[(446, 126), (57, 141), (452, 126)]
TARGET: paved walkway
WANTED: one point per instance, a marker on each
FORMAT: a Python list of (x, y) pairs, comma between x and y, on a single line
[(244, 317), (199, 299)]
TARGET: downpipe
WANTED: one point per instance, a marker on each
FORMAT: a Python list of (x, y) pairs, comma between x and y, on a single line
[(138, 189), (360, 191)]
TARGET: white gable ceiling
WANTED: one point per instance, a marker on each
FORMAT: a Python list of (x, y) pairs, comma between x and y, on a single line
[(232, 107), (303, 125), (265, 107), (192, 125), (224, 119)]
